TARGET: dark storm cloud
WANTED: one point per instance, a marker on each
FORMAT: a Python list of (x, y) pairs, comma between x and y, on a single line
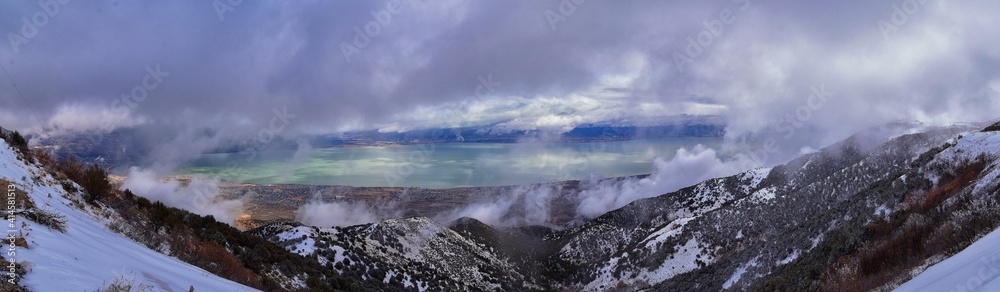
[(267, 55), (554, 60)]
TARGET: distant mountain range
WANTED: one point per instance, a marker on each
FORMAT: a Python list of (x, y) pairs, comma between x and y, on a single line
[(489, 134), (133, 145)]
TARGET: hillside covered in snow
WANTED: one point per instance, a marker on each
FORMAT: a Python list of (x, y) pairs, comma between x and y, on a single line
[(86, 254), (71, 229), (856, 215)]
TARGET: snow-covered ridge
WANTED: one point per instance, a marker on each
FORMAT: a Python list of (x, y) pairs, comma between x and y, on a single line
[(977, 267), (979, 145), (409, 253), (88, 255), (734, 233)]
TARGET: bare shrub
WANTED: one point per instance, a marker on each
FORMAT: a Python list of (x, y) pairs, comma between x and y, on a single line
[(123, 284), (47, 218)]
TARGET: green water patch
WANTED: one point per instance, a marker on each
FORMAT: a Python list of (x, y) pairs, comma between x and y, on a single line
[(443, 165)]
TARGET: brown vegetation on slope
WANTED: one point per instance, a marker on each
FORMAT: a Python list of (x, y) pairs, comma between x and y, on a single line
[(928, 224)]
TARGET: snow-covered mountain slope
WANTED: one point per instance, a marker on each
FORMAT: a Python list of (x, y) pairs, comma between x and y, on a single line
[(821, 221), (976, 268), (726, 233), (88, 255), (404, 254)]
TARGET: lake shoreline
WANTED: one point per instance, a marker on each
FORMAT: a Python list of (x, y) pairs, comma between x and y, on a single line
[(444, 165)]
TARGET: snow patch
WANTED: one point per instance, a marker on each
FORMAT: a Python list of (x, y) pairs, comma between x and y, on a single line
[(738, 273), (755, 176), (765, 194), (789, 259), (671, 230), (89, 255), (685, 259), (976, 268), (883, 211)]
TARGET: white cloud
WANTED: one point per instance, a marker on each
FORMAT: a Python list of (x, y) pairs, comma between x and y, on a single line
[(686, 168), (200, 196), (523, 206), (335, 214), (77, 117)]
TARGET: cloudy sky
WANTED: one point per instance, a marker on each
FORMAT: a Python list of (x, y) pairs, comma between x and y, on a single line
[(347, 65)]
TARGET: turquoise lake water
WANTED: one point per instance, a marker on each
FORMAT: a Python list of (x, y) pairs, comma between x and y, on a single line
[(443, 165)]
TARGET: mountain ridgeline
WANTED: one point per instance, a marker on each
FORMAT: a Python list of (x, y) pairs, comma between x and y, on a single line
[(869, 212), (864, 213)]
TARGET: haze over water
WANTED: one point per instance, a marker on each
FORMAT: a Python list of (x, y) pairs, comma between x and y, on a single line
[(446, 165)]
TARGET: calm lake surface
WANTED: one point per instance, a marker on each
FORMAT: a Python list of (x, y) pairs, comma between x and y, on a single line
[(443, 165)]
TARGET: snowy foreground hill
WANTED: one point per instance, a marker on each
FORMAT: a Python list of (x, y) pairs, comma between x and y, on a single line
[(866, 213), (88, 255)]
